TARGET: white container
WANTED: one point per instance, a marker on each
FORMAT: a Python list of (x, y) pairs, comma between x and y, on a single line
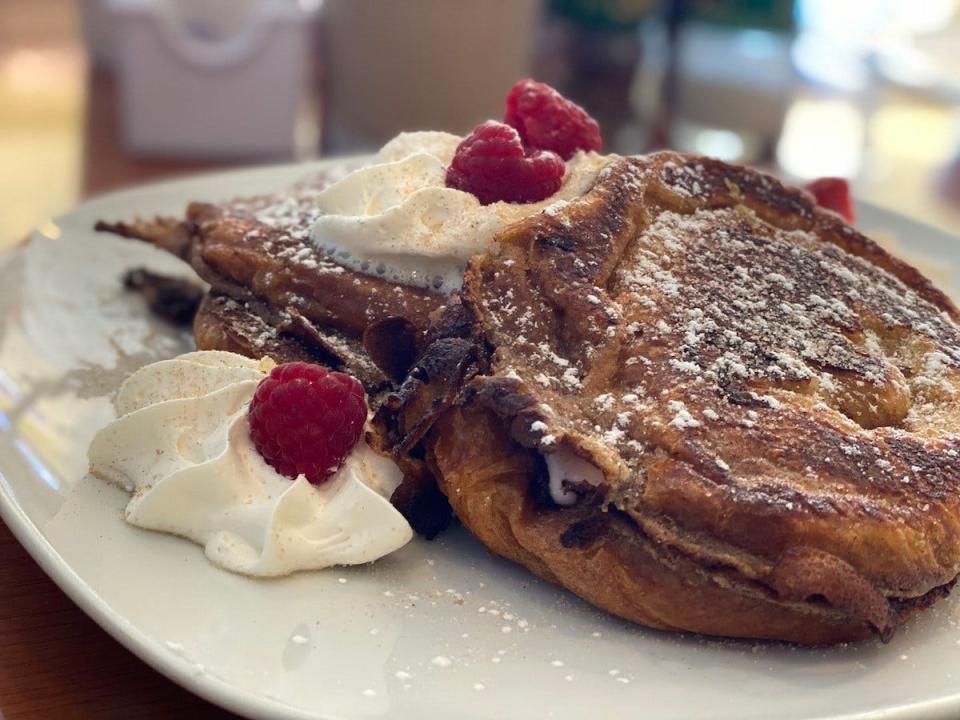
[(212, 78)]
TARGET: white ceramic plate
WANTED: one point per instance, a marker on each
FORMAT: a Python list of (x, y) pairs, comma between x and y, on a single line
[(439, 629)]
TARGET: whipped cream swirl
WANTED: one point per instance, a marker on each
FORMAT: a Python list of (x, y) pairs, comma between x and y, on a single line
[(397, 219), (182, 446)]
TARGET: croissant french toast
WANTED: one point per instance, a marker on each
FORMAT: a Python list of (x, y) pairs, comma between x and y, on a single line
[(272, 292), (702, 403)]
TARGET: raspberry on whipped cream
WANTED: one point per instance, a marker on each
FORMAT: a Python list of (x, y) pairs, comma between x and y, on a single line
[(182, 446), (397, 219), (304, 419), (546, 120), (492, 165)]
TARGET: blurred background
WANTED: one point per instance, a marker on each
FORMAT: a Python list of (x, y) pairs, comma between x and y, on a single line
[(97, 94)]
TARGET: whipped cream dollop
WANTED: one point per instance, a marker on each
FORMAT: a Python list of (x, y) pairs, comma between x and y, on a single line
[(182, 446), (397, 219)]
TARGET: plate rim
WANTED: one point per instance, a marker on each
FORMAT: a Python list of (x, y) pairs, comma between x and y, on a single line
[(221, 692)]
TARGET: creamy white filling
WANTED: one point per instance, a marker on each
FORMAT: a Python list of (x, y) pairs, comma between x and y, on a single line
[(182, 446), (397, 219), (565, 466)]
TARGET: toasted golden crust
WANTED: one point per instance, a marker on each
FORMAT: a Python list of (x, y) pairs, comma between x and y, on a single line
[(770, 397), (248, 329), (609, 562), (224, 324), (273, 293), (260, 249)]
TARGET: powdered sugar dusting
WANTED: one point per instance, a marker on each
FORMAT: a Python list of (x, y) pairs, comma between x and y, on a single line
[(767, 305), (719, 326), (283, 221)]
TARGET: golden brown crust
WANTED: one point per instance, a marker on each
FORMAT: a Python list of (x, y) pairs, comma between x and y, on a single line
[(257, 253), (613, 566), (770, 397), (224, 324), (607, 561), (259, 249), (245, 250), (257, 331)]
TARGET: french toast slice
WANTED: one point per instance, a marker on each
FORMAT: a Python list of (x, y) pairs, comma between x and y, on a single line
[(257, 253), (702, 403)]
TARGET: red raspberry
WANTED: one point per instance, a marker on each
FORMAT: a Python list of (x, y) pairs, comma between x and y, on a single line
[(834, 194), (492, 164), (547, 120), (305, 419)]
